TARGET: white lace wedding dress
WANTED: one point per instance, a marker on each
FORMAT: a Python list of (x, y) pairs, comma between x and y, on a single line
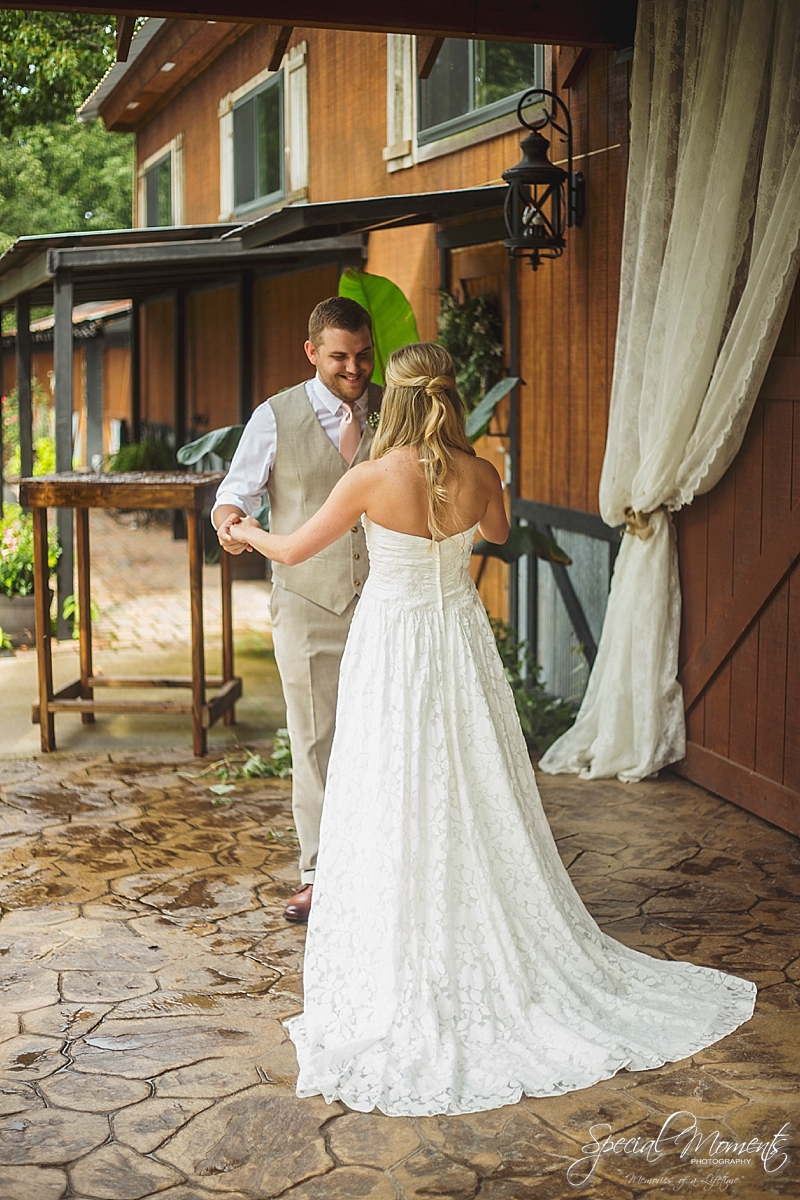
[(450, 964)]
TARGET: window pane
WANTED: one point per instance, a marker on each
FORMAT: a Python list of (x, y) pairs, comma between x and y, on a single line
[(270, 140), (151, 196), (244, 153), (164, 170), (446, 92), (501, 69)]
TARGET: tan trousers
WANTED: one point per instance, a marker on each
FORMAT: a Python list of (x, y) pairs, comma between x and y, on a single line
[(308, 641)]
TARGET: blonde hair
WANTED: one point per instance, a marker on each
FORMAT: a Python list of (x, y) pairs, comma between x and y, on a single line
[(422, 408)]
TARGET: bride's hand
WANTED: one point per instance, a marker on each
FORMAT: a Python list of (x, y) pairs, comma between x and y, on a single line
[(241, 530)]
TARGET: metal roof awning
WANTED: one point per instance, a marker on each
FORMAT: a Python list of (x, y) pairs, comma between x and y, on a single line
[(296, 223), (141, 263)]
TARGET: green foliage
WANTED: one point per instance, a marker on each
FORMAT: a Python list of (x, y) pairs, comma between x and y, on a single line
[(49, 63), (472, 331), (393, 321), (523, 539), (44, 446), (6, 643), (16, 552), (481, 415), (542, 718), (222, 442), (248, 765), (71, 609), (152, 453), (65, 176)]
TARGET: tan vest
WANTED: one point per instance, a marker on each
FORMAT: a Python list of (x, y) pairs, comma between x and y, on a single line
[(307, 468)]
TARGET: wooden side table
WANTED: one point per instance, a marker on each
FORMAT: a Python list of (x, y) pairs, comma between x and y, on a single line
[(137, 490)]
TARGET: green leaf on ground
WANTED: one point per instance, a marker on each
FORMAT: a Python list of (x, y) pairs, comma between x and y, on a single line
[(393, 321)]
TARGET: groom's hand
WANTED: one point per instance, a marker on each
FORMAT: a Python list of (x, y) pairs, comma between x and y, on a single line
[(224, 534)]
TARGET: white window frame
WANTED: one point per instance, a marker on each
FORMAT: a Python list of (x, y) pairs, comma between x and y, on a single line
[(173, 150), (295, 135), (403, 149)]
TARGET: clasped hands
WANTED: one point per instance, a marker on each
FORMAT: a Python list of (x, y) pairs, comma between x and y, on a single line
[(234, 533)]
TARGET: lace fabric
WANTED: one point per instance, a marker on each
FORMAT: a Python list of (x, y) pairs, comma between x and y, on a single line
[(451, 966), (709, 259)]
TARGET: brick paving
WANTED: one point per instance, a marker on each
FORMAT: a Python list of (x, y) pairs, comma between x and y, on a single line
[(140, 586)]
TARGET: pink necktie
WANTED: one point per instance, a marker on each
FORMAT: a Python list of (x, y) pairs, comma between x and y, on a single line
[(349, 433)]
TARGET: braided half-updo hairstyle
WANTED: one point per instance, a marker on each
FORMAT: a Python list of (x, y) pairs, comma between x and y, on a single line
[(422, 408)]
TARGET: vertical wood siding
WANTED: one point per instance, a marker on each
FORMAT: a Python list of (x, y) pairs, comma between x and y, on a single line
[(568, 308), (158, 363), (212, 359), (281, 308)]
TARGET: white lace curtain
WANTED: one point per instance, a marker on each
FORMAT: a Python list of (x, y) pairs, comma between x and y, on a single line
[(710, 254)]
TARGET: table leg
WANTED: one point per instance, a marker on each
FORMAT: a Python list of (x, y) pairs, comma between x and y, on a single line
[(226, 564), (84, 607), (41, 585), (195, 538)]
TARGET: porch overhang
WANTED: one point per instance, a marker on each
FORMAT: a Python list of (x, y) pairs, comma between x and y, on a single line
[(141, 263), (301, 223)]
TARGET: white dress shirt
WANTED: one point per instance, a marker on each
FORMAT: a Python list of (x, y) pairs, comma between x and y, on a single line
[(246, 481)]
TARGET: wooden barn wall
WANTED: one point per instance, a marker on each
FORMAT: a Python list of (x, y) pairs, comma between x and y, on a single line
[(157, 363), (743, 732), (116, 389), (212, 360), (41, 368), (568, 308), (410, 259), (281, 308)]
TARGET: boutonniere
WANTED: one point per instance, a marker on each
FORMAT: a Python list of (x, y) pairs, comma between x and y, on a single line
[(373, 418)]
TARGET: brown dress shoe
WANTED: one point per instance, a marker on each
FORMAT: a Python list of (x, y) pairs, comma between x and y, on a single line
[(298, 907)]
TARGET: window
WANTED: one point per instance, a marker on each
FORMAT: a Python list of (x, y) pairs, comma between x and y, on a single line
[(473, 82), (158, 192), (258, 147)]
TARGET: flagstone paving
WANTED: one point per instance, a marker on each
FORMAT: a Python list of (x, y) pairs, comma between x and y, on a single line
[(146, 970)]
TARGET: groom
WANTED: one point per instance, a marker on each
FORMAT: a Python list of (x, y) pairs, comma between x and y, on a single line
[(296, 447)]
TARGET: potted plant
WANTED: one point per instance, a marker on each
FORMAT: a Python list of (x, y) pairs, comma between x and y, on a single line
[(16, 572)]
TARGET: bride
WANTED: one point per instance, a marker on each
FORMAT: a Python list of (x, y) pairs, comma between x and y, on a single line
[(475, 974)]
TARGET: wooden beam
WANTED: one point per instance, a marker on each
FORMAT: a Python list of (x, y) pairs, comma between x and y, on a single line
[(427, 52), (31, 275), (277, 41), (125, 28), (553, 22), (571, 62), (762, 579)]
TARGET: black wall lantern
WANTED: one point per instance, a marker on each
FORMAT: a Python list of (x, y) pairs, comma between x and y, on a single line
[(543, 199)]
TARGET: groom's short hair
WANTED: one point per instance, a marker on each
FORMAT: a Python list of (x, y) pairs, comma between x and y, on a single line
[(337, 313)]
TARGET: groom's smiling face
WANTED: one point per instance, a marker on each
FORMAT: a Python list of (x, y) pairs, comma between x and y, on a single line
[(343, 361)]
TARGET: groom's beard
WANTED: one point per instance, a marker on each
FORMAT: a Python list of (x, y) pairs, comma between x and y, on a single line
[(343, 388)]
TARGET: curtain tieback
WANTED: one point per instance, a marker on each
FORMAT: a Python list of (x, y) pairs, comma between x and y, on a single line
[(639, 523)]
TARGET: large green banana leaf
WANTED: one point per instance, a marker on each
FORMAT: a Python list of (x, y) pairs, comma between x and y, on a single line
[(523, 539), (393, 321)]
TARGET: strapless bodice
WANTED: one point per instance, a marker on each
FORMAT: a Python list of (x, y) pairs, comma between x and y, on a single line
[(416, 572)]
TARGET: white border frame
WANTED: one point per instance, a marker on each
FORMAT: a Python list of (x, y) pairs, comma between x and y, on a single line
[(173, 150)]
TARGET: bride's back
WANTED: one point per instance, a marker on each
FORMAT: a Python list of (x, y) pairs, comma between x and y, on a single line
[(398, 497)]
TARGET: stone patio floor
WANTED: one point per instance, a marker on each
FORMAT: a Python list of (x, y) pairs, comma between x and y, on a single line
[(145, 967), (145, 970)]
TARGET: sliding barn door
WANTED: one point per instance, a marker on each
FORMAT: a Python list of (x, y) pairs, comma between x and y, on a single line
[(739, 550)]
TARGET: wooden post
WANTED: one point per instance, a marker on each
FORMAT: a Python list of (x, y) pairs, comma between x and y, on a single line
[(41, 592), (226, 569), (23, 354), (195, 536), (62, 362), (93, 351), (245, 346), (136, 371), (84, 608)]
